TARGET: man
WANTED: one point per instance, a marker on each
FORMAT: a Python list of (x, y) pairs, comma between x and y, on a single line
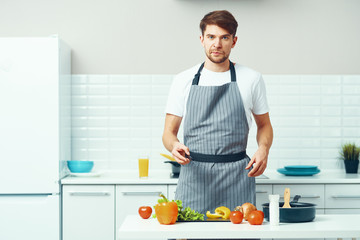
[(216, 100)]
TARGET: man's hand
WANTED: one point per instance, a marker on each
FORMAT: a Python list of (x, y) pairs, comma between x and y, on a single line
[(259, 162), (264, 138), (179, 152), (171, 142)]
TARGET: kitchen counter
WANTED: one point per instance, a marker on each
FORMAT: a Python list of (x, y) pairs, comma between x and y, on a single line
[(324, 226), (163, 177)]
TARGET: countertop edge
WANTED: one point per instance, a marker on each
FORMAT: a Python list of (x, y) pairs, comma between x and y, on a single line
[(163, 177)]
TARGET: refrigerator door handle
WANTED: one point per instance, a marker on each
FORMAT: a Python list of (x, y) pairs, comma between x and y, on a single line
[(90, 193)]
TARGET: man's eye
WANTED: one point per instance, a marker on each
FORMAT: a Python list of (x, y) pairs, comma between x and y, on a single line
[(211, 37), (226, 38)]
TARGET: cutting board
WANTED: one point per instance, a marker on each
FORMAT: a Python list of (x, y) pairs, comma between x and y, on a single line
[(208, 220)]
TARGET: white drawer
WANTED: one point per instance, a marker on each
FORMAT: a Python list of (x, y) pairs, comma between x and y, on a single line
[(262, 194), (313, 193), (342, 195), (342, 211)]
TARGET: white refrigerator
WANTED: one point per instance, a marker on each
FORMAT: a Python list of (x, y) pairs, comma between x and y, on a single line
[(35, 135)]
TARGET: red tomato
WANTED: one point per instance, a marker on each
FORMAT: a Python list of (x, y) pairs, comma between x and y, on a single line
[(261, 213), (236, 217), (145, 212), (256, 217)]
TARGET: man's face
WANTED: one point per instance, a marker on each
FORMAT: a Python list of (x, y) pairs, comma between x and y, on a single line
[(217, 43)]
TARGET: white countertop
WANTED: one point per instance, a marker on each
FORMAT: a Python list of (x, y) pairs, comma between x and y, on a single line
[(324, 226), (163, 177)]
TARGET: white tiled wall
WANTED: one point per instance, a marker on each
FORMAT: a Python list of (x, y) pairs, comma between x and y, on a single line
[(117, 117)]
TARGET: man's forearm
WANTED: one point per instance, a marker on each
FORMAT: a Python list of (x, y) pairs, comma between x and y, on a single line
[(264, 137), (168, 140)]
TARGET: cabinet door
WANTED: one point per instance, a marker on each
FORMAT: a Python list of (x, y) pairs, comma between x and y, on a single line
[(313, 193), (130, 197), (88, 212), (171, 192), (342, 195), (262, 194)]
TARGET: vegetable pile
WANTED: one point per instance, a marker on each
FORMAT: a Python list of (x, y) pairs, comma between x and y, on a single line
[(183, 214), (250, 214), (168, 212)]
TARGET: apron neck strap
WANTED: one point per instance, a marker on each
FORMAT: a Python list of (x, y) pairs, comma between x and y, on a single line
[(197, 75)]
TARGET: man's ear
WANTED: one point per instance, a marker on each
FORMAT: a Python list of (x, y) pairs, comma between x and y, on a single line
[(202, 39), (234, 41)]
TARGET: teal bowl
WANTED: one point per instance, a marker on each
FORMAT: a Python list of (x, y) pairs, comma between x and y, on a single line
[(76, 166)]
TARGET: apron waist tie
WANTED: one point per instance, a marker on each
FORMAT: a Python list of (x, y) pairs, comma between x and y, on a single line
[(217, 158)]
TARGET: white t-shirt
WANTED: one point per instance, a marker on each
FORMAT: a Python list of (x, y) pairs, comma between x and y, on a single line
[(250, 82)]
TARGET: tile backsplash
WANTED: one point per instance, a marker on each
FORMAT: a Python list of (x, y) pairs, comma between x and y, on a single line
[(115, 118)]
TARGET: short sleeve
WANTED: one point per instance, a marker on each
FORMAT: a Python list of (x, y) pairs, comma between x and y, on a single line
[(176, 99), (259, 99)]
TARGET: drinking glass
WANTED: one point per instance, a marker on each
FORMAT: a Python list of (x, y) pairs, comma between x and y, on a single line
[(143, 166)]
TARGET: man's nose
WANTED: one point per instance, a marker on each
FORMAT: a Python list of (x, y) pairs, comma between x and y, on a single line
[(217, 42)]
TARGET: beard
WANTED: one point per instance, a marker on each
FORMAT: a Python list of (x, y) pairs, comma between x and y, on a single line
[(217, 60)]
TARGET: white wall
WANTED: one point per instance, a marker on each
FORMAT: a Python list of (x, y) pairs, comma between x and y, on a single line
[(125, 52), (117, 117), (161, 36)]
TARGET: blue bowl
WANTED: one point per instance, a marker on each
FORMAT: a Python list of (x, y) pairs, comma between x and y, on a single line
[(80, 166)]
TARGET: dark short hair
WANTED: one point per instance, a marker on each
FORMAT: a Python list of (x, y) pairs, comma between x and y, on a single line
[(222, 18)]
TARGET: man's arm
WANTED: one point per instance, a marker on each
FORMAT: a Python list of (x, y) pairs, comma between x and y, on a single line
[(170, 140), (264, 139)]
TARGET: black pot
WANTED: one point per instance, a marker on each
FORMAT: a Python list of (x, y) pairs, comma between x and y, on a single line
[(299, 212), (351, 166), (175, 166)]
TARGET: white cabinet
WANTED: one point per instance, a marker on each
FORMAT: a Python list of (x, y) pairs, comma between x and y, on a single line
[(342, 196), (130, 197), (262, 194), (88, 212), (97, 211), (171, 191)]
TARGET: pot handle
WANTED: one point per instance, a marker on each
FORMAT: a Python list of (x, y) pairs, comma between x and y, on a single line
[(174, 163), (296, 199)]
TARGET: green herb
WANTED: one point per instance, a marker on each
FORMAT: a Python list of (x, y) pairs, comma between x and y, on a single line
[(188, 214)]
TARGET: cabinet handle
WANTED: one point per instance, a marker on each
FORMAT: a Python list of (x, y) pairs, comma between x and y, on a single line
[(89, 193), (345, 196), (261, 192), (308, 196), (141, 193)]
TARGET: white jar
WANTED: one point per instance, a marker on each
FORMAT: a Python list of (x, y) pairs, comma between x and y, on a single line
[(274, 209)]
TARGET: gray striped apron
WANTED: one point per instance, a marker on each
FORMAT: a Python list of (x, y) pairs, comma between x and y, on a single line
[(216, 132)]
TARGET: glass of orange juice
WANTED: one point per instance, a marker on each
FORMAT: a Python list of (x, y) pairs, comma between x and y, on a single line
[(143, 166)]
